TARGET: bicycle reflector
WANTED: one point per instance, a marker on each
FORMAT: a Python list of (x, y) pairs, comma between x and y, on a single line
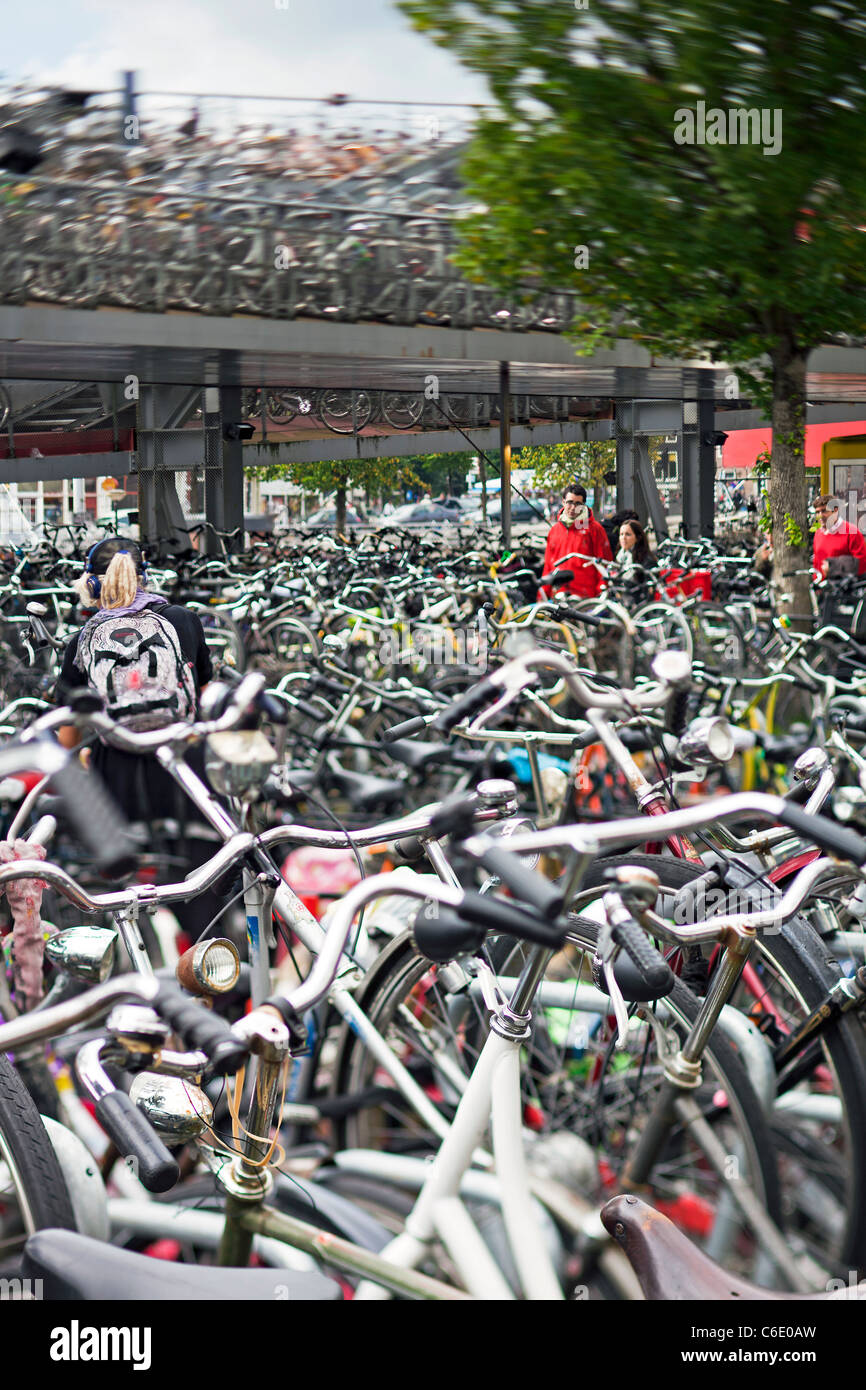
[(211, 967)]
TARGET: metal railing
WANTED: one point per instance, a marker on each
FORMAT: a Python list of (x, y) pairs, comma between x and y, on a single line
[(89, 245)]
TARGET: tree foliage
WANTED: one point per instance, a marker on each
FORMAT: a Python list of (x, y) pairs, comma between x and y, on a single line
[(717, 250), (556, 465), (338, 476)]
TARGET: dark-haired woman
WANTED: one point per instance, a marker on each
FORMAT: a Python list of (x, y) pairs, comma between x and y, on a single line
[(634, 548)]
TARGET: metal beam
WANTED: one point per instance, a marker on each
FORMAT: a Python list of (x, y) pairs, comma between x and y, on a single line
[(699, 473), (505, 451), (636, 487), (162, 411), (731, 420), (224, 490), (57, 466), (648, 488), (408, 443), (655, 417)]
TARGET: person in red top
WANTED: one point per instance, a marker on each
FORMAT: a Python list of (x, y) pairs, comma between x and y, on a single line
[(835, 537), (576, 531)]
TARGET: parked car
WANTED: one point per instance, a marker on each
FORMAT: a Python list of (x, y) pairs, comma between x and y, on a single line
[(326, 518), (419, 514), (521, 512)]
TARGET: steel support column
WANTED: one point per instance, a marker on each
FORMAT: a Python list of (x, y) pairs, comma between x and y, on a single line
[(699, 471), (650, 502), (636, 487), (505, 449), (224, 490), (162, 412)]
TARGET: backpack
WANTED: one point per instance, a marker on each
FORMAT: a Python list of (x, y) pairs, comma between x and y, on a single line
[(135, 663)]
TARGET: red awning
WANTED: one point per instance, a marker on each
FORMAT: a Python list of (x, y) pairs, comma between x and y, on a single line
[(66, 442), (742, 447)]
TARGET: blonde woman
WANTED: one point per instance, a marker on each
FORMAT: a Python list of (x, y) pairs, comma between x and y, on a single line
[(114, 585)]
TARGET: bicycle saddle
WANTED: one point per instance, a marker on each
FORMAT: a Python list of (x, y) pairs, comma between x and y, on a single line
[(78, 1268), (784, 748), (417, 756), (364, 789), (670, 1268), (556, 578)]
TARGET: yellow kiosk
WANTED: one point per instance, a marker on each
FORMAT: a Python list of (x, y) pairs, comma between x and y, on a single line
[(843, 474)]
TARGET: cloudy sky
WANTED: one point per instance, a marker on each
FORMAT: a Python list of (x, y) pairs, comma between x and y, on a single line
[(281, 47)]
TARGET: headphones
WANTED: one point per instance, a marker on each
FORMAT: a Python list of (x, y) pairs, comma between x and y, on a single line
[(94, 583)]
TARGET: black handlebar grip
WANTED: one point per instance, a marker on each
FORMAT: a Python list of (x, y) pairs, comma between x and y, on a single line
[(440, 934), (467, 704), (652, 966), (835, 839), (530, 887), (495, 915), (575, 615), (272, 708), (96, 819), (404, 730), (309, 712), (133, 1136), (201, 1029), (330, 687), (684, 907), (266, 704), (676, 713)]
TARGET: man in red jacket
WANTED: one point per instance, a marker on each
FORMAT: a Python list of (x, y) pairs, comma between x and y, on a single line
[(576, 531), (835, 537)]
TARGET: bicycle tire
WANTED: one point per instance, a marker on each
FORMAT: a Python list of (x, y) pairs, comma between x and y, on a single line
[(288, 645), (661, 627), (809, 970), (401, 410), (344, 412), (222, 635), (391, 992), (33, 1193), (717, 638)]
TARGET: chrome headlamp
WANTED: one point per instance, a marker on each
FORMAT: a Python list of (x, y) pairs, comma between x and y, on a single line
[(238, 761)]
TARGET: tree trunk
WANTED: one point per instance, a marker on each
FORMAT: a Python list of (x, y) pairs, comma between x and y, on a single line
[(787, 490), (340, 520)]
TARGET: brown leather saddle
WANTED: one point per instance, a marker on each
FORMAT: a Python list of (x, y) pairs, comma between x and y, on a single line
[(670, 1268)]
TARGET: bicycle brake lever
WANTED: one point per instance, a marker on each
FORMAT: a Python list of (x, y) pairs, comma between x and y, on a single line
[(607, 950)]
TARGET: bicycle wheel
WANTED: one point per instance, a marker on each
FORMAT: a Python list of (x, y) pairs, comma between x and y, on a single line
[(223, 636), (661, 627), (609, 646), (717, 638), (584, 1100), (345, 412), (283, 406), (284, 645), (401, 410), (33, 1194), (822, 1166)]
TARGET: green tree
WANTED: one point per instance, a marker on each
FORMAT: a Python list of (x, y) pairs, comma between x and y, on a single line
[(337, 477), (604, 167), (441, 472), (556, 465)]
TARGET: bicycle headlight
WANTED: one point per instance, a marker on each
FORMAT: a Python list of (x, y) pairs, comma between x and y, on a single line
[(211, 967), (707, 741), (238, 761)]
